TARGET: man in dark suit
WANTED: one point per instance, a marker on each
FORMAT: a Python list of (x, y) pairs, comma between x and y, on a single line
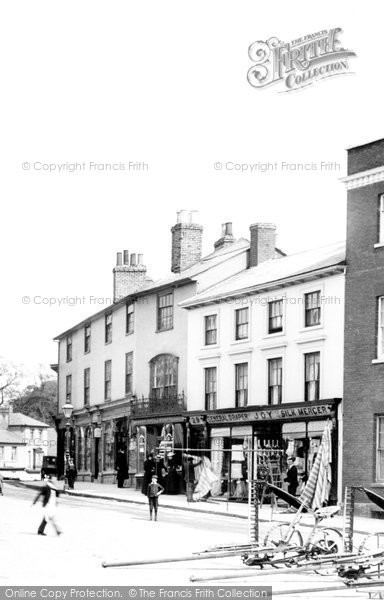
[(291, 477)]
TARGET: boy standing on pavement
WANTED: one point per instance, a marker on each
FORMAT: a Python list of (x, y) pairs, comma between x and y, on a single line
[(153, 493)]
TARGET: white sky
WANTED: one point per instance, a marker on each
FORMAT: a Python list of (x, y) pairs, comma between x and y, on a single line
[(165, 83)]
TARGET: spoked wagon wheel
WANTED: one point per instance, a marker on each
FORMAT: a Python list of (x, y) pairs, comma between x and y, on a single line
[(281, 543), (328, 541), (374, 542)]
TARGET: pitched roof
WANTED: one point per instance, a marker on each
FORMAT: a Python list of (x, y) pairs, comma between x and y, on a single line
[(10, 437), (273, 273), (20, 420), (186, 276)]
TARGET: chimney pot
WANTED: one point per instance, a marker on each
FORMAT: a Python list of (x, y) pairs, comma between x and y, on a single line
[(183, 216), (126, 257), (133, 260), (119, 259), (139, 259), (226, 236)]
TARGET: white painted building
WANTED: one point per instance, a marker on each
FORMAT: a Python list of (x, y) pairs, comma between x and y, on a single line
[(265, 359), (23, 443), (124, 369)]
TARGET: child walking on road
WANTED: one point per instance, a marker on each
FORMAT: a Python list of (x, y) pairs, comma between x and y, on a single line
[(153, 493)]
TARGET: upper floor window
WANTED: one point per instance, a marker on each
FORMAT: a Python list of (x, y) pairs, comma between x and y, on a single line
[(130, 318), (69, 348), (108, 328), (14, 453), (210, 330), (87, 338), (87, 385), (1, 452), (210, 388), (241, 324), (275, 316), (380, 327), (275, 381), (381, 219), (107, 379), (163, 376), (312, 309), (380, 449), (128, 372), (68, 388), (241, 376), (312, 376), (165, 311)]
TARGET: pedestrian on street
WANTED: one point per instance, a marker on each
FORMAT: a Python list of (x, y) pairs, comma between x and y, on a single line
[(291, 477), (71, 474), (48, 494), (154, 491), (121, 468), (149, 470)]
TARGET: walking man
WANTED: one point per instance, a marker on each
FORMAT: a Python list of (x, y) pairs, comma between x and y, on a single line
[(121, 468), (154, 491), (71, 474), (48, 494), (291, 477)]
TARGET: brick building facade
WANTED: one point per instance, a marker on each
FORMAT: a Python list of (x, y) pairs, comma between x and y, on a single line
[(363, 438)]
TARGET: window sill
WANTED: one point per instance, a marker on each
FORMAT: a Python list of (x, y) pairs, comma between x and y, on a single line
[(237, 342), (272, 336), (378, 361), (379, 245), (87, 351), (107, 343), (273, 346), (312, 340), (129, 332), (209, 347), (311, 328), (162, 330)]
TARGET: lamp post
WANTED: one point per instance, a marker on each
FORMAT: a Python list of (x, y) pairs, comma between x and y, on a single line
[(67, 410)]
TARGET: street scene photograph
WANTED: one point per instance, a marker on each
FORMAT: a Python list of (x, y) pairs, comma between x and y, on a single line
[(192, 337)]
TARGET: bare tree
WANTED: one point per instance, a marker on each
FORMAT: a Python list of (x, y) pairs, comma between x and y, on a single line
[(9, 380)]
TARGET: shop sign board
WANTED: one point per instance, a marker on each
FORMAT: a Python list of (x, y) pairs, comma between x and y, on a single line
[(300, 412)]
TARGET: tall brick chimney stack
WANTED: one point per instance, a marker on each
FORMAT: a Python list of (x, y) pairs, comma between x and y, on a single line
[(263, 242), (187, 238), (226, 237), (128, 275)]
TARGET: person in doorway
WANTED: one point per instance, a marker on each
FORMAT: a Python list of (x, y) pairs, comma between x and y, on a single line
[(291, 477), (71, 473), (121, 468), (153, 493), (149, 470), (48, 495)]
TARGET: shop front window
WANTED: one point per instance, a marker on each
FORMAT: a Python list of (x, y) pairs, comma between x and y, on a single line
[(163, 374), (88, 449), (231, 461), (80, 449), (109, 448)]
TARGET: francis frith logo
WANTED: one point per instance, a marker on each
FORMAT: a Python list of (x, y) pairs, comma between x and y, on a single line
[(299, 63)]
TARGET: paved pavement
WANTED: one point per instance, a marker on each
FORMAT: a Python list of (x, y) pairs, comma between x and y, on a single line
[(362, 525)]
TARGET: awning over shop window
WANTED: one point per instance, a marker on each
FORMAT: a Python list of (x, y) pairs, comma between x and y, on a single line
[(316, 428), (220, 432), (294, 431)]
